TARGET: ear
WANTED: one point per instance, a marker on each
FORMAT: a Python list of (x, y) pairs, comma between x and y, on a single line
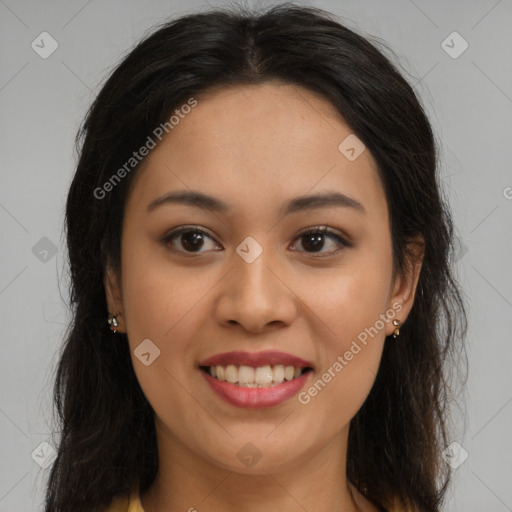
[(404, 288), (113, 295)]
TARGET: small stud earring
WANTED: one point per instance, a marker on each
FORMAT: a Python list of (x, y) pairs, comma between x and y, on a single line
[(112, 321), (396, 332)]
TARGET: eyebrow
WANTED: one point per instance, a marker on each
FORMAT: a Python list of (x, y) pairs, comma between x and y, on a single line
[(297, 204)]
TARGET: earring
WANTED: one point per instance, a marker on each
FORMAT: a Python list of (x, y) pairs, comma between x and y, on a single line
[(112, 321), (396, 332)]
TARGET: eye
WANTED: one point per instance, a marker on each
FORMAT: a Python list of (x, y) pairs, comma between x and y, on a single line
[(314, 240), (191, 238)]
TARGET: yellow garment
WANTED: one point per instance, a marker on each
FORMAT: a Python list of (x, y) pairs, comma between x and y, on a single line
[(122, 504)]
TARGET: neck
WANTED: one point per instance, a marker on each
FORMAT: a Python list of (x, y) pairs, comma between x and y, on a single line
[(187, 481)]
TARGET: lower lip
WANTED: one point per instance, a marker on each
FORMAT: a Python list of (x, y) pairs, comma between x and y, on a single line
[(256, 398)]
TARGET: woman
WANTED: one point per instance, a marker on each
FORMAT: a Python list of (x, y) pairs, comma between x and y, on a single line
[(259, 253)]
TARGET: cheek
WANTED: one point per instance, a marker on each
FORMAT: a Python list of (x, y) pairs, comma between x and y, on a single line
[(349, 304), (349, 299), (159, 295), (163, 303)]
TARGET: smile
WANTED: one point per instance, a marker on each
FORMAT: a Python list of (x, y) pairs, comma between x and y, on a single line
[(253, 395), (255, 377)]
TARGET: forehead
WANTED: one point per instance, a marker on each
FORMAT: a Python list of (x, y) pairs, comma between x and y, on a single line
[(259, 143)]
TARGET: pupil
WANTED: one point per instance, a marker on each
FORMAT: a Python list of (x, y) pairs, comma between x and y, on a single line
[(190, 240), (317, 244)]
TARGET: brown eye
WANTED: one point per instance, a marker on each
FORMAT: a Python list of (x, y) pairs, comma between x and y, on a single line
[(191, 239), (314, 240)]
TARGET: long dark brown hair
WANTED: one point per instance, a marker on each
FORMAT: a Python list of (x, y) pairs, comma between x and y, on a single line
[(107, 439)]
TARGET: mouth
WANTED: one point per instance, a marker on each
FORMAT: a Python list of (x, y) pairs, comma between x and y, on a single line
[(255, 377), (256, 380)]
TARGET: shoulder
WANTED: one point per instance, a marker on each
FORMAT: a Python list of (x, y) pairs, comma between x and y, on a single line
[(126, 504)]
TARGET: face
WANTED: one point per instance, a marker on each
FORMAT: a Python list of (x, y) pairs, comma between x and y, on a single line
[(257, 275)]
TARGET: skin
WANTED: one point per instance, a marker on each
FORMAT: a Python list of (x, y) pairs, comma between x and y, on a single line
[(255, 147)]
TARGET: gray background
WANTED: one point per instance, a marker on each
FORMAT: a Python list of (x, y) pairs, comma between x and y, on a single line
[(42, 101)]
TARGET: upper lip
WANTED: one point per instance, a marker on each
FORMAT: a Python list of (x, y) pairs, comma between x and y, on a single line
[(264, 358)]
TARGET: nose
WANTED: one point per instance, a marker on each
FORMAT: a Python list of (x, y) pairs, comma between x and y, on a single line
[(256, 295)]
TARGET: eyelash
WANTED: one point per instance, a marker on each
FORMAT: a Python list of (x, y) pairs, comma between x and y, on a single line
[(322, 230)]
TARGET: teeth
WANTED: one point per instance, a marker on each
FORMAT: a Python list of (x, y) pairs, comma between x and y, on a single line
[(288, 372), (260, 377), (245, 375), (278, 373), (263, 375), (231, 373)]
